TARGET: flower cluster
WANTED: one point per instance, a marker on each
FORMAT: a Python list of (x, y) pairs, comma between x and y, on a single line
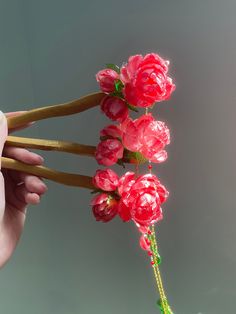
[(139, 83), (137, 198)]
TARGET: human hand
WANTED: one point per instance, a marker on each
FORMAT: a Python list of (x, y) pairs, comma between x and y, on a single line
[(17, 191)]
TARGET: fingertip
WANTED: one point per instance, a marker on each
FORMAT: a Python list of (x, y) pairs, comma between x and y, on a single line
[(34, 184), (32, 198), (40, 159), (24, 155), (42, 188), (34, 158)]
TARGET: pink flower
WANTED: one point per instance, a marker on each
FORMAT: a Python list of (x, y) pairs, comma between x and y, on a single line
[(104, 207), (123, 211), (108, 152), (125, 182), (133, 131), (170, 87), (111, 131), (106, 180), (142, 200), (114, 108), (144, 243), (144, 229), (145, 80), (146, 136), (162, 192), (106, 79)]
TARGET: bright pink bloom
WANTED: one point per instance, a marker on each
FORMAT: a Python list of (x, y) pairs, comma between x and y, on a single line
[(124, 211), (143, 200), (125, 183), (133, 132), (146, 136), (144, 243), (104, 207), (145, 80), (114, 108), (106, 79), (162, 192), (106, 180), (108, 152), (170, 87), (111, 131), (143, 229)]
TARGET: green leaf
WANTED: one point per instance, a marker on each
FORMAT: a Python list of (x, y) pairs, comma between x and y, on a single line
[(160, 305), (133, 157), (133, 108), (113, 67), (158, 259), (105, 137), (120, 162), (119, 86), (140, 158), (117, 94), (96, 191)]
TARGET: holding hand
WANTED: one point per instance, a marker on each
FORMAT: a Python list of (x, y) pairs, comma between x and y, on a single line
[(17, 191)]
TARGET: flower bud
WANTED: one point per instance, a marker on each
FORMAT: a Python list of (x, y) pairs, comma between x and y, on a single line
[(106, 79)]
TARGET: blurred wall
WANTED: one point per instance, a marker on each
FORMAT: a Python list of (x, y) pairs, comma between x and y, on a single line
[(68, 263)]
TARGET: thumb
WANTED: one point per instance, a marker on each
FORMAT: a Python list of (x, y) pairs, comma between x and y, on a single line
[(3, 132)]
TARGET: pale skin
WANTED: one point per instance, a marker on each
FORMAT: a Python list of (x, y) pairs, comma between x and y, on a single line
[(18, 190)]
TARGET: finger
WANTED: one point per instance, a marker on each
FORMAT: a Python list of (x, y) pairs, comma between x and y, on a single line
[(24, 155), (33, 184), (3, 132), (25, 197), (17, 113), (14, 113), (12, 200), (18, 201), (32, 198)]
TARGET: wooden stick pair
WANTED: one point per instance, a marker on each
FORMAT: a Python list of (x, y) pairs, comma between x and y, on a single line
[(69, 108)]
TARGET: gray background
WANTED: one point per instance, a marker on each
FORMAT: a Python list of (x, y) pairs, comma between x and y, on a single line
[(66, 263)]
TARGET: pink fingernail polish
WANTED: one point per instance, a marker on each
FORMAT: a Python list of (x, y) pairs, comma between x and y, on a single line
[(41, 158)]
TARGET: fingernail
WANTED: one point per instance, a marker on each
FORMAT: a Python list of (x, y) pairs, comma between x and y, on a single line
[(41, 158), (30, 123), (44, 187)]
